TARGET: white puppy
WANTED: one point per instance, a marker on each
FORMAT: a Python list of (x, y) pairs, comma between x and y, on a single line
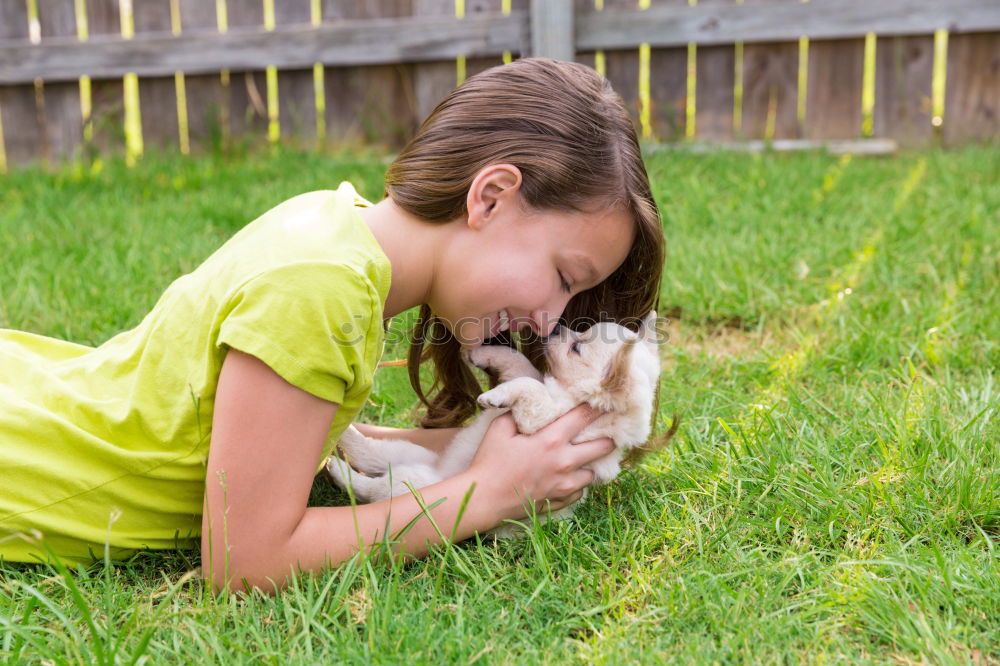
[(614, 370)]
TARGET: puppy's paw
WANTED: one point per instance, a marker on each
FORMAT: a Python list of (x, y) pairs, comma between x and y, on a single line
[(490, 357), (493, 399), (466, 355)]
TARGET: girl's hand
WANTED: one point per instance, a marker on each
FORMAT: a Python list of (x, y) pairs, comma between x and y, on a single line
[(544, 468)]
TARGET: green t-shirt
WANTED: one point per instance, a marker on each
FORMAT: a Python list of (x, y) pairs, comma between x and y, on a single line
[(122, 430)]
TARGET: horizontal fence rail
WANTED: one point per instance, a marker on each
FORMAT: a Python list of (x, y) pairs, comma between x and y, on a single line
[(679, 25), (103, 75), (362, 42)]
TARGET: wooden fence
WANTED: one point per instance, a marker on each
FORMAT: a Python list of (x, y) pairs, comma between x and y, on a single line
[(79, 76)]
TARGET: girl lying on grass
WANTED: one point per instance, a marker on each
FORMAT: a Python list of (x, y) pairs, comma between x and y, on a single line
[(522, 200)]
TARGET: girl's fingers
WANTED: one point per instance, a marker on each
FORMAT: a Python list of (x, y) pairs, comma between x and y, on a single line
[(588, 452), (569, 425), (504, 425), (559, 502)]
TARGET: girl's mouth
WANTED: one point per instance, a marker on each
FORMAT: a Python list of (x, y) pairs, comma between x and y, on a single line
[(502, 324)]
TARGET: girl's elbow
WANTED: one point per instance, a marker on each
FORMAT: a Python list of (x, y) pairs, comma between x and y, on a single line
[(229, 572)]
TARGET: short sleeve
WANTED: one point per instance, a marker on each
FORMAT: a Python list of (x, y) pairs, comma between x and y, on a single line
[(308, 321)]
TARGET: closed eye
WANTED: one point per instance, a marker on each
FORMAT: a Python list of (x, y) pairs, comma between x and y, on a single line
[(575, 348), (565, 285)]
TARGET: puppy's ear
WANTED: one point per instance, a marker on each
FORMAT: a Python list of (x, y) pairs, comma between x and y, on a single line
[(647, 330), (616, 376)]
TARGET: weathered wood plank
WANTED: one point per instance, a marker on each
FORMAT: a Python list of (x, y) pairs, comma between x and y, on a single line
[(474, 64), (433, 80), (622, 65), (667, 25), (157, 95), (296, 87), (715, 77), (972, 97), (376, 103), (22, 128), (419, 39), (248, 89), (552, 29), (206, 96), (588, 58), (903, 71), (64, 120), (770, 91), (833, 102), (668, 85), (107, 95), (770, 87)]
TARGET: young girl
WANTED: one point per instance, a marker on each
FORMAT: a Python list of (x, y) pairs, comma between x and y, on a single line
[(521, 202)]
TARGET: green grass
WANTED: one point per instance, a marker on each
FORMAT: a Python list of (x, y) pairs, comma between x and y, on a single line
[(833, 493)]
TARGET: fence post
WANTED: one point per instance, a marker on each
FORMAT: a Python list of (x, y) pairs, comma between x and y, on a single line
[(552, 29)]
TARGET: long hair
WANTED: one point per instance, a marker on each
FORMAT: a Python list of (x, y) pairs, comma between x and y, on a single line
[(572, 138)]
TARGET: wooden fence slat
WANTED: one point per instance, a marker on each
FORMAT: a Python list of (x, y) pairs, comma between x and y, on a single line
[(432, 81), (248, 89), (206, 96), (903, 72), (770, 91), (835, 79), (157, 95), (972, 97), (296, 87), (373, 103), (107, 95), (715, 77), (63, 119), (668, 85), (622, 66), (552, 29), (474, 7), (770, 88), (22, 128), (588, 58)]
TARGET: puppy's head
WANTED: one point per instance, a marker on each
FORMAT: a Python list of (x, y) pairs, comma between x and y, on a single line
[(607, 366)]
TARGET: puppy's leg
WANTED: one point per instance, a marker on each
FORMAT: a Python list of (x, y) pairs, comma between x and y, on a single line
[(528, 400), (395, 481), (373, 456), (606, 468), (508, 363), (403, 452), (363, 453), (365, 488)]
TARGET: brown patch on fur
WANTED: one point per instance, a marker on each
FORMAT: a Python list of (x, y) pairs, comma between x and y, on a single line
[(655, 443), (617, 375)]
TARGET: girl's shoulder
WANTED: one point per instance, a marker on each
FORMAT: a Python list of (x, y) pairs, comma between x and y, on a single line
[(322, 227)]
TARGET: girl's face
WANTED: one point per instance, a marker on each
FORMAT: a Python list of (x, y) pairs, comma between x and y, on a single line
[(511, 266)]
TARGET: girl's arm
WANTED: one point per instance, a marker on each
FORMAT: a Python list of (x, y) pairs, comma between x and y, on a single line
[(435, 439), (267, 438)]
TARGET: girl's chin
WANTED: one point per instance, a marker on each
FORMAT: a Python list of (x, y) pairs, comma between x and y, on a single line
[(469, 335)]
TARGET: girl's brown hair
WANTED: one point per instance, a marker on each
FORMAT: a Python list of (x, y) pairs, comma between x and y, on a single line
[(570, 135)]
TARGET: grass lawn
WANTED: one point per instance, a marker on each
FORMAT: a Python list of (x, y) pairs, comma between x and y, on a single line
[(833, 493)]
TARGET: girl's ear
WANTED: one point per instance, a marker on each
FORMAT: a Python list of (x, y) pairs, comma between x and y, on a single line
[(493, 188)]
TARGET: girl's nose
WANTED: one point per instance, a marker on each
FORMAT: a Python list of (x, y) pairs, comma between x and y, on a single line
[(545, 324)]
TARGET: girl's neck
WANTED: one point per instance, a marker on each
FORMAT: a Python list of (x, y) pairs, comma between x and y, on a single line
[(412, 246)]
